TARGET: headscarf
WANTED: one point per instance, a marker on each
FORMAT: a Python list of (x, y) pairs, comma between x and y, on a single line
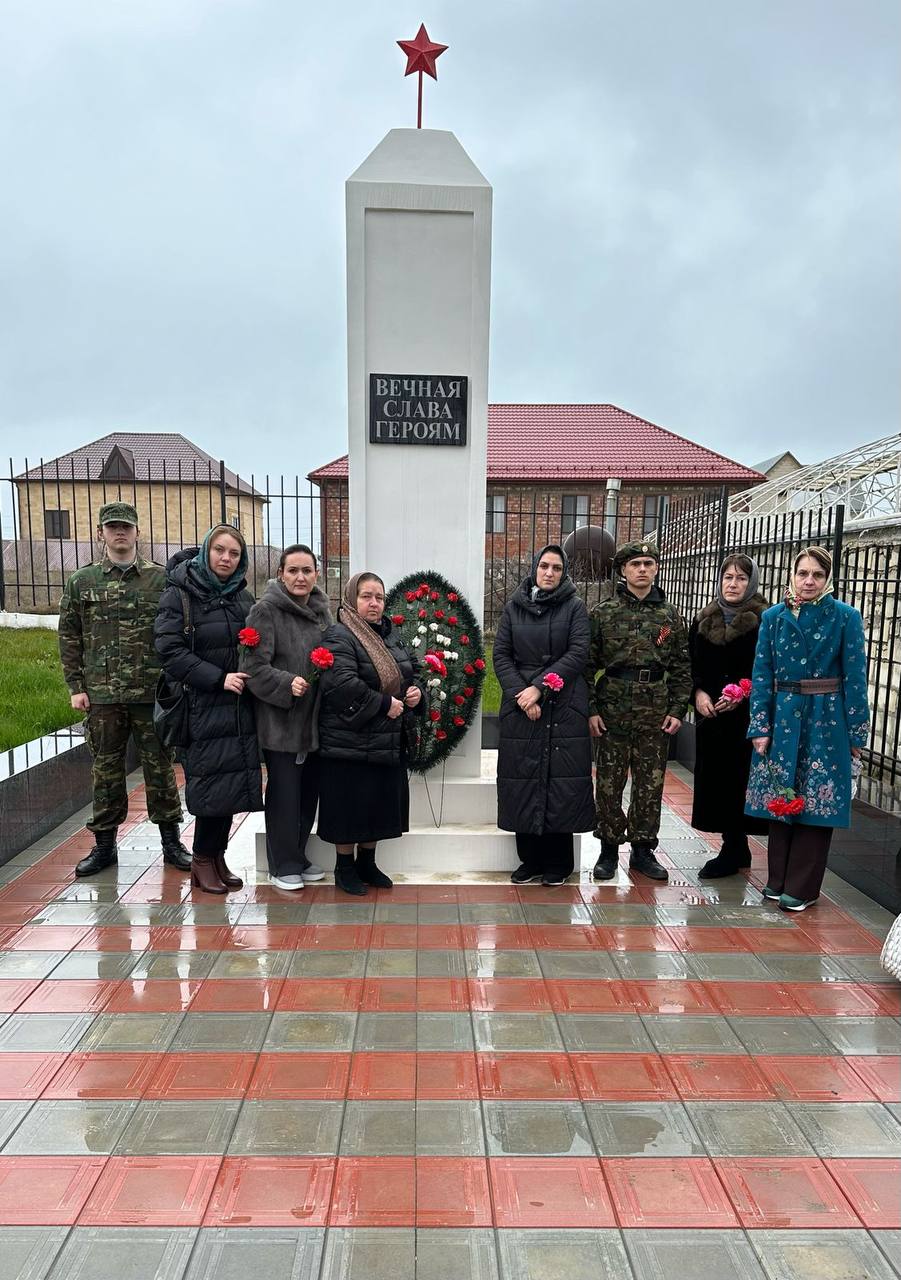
[(201, 563), (386, 668), (536, 593), (731, 608), (793, 601)]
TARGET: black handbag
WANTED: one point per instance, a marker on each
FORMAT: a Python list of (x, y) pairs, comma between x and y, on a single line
[(170, 705)]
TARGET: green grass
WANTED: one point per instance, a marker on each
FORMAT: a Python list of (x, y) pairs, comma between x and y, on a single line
[(34, 699), (491, 690)]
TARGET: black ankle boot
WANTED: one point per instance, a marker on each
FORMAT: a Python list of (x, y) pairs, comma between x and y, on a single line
[(368, 872), (644, 862), (174, 852), (606, 866), (735, 855), (105, 853), (346, 876)]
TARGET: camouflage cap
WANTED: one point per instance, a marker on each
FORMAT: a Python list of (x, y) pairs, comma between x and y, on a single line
[(121, 512), (634, 551)]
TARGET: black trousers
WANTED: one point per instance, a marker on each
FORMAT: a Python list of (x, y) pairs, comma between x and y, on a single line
[(796, 855), (292, 794), (211, 834), (551, 853)]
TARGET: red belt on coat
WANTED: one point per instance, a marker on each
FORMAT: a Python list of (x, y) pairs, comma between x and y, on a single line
[(824, 684)]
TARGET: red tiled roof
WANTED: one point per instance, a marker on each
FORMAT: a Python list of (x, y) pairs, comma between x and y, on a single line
[(588, 442)]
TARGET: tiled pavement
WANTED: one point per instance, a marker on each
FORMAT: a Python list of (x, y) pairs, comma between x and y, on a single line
[(448, 1081)]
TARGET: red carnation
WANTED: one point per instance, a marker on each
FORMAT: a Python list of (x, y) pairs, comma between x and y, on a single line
[(322, 658), (464, 639), (479, 664), (440, 735), (469, 669), (411, 596), (422, 614), (452, 597), (458, 720), (248, 637), (438, 615), (452, 621), (434, 715), (458, 700), (433, 595), (424, 588), (469, 691)]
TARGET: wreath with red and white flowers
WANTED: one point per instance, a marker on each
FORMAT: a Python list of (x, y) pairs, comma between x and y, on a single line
[(438, 626)]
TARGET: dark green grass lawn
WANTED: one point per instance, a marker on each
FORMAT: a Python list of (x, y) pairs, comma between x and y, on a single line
[(34, 699), (491, 690)]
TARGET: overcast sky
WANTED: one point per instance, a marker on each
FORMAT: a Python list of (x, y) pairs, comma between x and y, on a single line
[(696, 213)]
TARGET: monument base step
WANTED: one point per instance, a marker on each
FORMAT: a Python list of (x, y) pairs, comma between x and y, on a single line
[(457, 848)]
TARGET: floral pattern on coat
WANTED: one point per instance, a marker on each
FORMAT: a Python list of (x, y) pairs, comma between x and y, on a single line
[(811, 734)]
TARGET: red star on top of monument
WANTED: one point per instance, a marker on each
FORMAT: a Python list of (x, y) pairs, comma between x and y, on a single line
[(422, 53)]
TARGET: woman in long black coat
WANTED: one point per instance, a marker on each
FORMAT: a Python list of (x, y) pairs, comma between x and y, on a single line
[(222, 758), (722, 640), (374, 682), (544, 757)]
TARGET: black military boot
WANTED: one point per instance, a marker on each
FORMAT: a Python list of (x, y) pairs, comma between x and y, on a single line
[(607, 863), (735, 855), (644, 862), (105, 853), (174, 852)]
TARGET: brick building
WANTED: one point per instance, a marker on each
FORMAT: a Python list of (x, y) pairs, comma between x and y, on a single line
[(553, 468)]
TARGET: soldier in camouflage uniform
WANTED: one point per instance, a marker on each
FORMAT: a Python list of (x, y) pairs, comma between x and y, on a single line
[(639, 680), (110, 664)]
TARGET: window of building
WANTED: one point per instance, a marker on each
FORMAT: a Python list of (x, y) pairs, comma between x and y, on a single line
[(235, 522), (495, 513), (656, 508), (56, 524), (575, 512)]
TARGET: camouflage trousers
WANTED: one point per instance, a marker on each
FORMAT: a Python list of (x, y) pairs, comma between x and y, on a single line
[(643, 753), (107, 730)]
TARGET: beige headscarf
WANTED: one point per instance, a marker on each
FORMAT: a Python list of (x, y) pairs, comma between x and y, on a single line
[(386, 668), (793, 601)]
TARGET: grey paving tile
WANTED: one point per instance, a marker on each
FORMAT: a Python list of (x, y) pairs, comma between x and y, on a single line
[(254, 964), (209, 913), (724, 966), (43, 1032), (449, 1128), (319, 964), (641, 965), (341, 913), (385, 1031), (11, 1115), (752, 917), (851, 1129), (97, 964), (814, 1255), (274, 1253), (516, 1032), (70, 1128), (748, 1129), (379, 1129), (28, 1252), (537, 1129), (575, 964), (128, 1253), (29, 964), (179, 1128), (804, 968), (130, 1033), (565, 1255), (792, 1035), (704, 1035), (396, 913), (308, 1128), (174, 965), (642, 1129), (59, 913), (603, 1033), (854, 1035), (312, 1032), (496, 913), (395, 964), (867, 969), (553, 913), (359, 1253), (275, 913), (687, 915), (692, 1255), (443, 1033), (221, 1033), (622, 913), (890, 1244), (445, 1254), (498, 964), (437, 913)]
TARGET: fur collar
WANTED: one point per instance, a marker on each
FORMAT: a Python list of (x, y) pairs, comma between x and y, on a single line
[(712, 626)]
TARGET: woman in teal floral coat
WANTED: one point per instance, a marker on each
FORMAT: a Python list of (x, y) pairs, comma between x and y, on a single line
[(809, 717)]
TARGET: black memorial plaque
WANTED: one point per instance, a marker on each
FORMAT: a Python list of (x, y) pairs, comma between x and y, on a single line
[(408, 408)]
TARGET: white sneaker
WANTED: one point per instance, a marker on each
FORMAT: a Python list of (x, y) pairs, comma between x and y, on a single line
[(287, 882), (312, 873)]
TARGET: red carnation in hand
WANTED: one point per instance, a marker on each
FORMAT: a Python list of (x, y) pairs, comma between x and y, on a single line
[(398, 619), (469, 669), (458, 700), (440, 735), (746, 687), (778, 807), (438, 615), (434, 715), (248, 637), (464, 639), (458, 720), (479, 664), (452, 597), (469, 691), (322, 658)]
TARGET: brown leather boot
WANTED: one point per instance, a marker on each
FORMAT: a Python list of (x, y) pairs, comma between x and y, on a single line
[(204, 875), (228, 878)]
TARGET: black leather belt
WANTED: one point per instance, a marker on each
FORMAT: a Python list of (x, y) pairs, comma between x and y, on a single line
[(641, 675), (823, 684)]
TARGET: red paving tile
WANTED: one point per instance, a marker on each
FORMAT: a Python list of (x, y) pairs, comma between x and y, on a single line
[(104, 1075), (636, 938), (779, 941), (649, 1193), (589, 995), (497, 937), (27, 1075), (145, 995), (872, 1186), (14, 992), (388, 995), (17, 913), (525, 1076), (840, 998), (382, 1076), (46, 937), (114, 938), (622, 1077), (880, 1073), (672, 996), (540, 1192), (755, 999), (499, 893), (567, 937), (294, 1076), (723, 1077), (442, 995), (233, 995), (271, 1192), (333, 937), (390, 937), (704, 938), (794, 1192), (452, 1191), (201, 1076), (511, 995), (446, 1075), (70, 996), (45, 1191), (331, 995), (374, 1192), (813, 1079), (157, 1191), (837, 940)]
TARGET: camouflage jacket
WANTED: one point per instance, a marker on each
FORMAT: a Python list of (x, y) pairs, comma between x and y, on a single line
[(628, 632), (106, 621)]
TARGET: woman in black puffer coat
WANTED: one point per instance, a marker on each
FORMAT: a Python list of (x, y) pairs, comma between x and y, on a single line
[(222, 758), (372, 686), (544, 760)]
